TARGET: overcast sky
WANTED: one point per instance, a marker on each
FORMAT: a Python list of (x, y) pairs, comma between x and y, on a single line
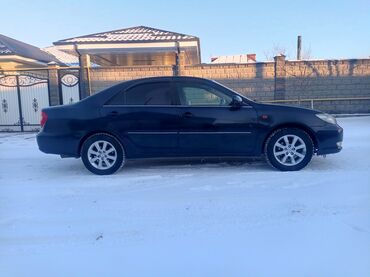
[(330, 29)]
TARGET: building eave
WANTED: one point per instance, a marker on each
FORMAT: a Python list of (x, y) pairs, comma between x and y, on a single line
[(58, 43), (18, 58), (157, 46)]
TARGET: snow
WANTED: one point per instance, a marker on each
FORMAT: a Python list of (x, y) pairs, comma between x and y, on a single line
[(185, 218)]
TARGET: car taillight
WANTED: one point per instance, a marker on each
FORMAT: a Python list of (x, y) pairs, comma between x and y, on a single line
[(44, 118)]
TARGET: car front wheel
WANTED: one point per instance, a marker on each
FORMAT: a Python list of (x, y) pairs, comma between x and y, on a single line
[(102, 154), (289, 149)]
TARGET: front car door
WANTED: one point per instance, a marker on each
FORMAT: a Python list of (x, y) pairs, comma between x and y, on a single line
[(145, 118), (210, 125)]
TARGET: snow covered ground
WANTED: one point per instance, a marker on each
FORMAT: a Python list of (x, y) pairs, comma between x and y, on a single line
[(185, 218)]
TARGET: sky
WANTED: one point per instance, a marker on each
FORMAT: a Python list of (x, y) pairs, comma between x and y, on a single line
[(329, 29)]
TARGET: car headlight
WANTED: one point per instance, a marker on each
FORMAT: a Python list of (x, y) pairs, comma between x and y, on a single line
[(327, 118)]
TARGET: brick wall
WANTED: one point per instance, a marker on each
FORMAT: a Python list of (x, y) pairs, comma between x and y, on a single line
[(330, 79), (315, 79), (103, 77), (277, 80), (253, 80)]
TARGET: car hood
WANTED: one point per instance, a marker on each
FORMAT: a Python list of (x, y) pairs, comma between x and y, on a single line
[(286, 108)]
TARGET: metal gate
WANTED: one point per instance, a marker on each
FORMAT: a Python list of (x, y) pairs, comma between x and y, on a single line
[(69, 86), (22, 96)]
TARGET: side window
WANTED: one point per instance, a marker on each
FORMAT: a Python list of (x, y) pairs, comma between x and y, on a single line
[(194, 95), (159, 93)]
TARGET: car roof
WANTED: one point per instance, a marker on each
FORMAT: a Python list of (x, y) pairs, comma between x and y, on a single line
[(170, 78), (109, 92)]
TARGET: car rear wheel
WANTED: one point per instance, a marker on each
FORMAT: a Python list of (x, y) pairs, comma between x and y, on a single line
[(102, 154), (289, 149)]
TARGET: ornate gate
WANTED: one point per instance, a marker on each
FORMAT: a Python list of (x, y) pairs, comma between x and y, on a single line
[(69, 86), (22, 96)]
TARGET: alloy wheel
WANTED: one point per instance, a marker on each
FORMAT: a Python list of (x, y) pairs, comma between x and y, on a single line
[(289, 150), (102, 154)]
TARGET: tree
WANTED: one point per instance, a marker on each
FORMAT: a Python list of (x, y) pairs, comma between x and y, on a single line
[(276, 50), (300, 72)]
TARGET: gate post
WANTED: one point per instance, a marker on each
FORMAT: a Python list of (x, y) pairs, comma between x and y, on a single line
[(280, 74), (54, 88), (21, 119), (85, 88)]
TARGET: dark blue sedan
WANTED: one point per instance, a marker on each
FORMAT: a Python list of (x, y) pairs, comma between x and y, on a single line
[(166, 117)]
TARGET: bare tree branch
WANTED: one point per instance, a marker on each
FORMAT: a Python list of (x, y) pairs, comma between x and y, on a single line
[(276, 50)]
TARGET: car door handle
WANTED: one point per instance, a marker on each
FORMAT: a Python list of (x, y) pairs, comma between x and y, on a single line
[(187, 115), (113, 114)]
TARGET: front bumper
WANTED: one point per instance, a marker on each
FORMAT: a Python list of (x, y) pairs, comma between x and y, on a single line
[(329, 139)]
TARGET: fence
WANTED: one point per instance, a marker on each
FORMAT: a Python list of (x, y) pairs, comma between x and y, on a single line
[(334, 86), (23, 94), (330, 105), (22, 97)]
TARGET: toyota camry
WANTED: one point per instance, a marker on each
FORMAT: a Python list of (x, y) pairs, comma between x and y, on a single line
[(165, 117)]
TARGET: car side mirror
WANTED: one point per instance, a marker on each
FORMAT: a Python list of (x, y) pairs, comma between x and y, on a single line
[(237, 101)]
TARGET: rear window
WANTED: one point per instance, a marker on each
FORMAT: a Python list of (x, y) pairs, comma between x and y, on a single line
[(159, 93)]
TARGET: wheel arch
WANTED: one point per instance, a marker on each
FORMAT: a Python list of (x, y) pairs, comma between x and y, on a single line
[(302, 127), (89, 134)]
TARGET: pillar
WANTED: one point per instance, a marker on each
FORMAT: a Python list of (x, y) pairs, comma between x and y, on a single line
[(280, 74), (54, 88), (84, 74)]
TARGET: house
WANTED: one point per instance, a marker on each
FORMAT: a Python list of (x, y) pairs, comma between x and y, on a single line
[(15, 54), (135, 46)]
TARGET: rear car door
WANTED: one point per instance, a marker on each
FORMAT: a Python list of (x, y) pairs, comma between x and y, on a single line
[(145, 118), (210, 125)]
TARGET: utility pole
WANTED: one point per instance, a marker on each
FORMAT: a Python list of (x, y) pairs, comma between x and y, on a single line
[(299, 47)]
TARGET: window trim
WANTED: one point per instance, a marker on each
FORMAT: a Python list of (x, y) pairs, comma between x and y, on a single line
[(179, 84), (204, 92), (173, 106), (173, 94), (176, 99)]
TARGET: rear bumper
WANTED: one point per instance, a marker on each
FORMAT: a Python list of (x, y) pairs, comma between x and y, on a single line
[(66, 146), (329, 139)]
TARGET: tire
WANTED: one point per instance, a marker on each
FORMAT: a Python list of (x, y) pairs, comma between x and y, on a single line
[(102, 154), (281, 154)]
